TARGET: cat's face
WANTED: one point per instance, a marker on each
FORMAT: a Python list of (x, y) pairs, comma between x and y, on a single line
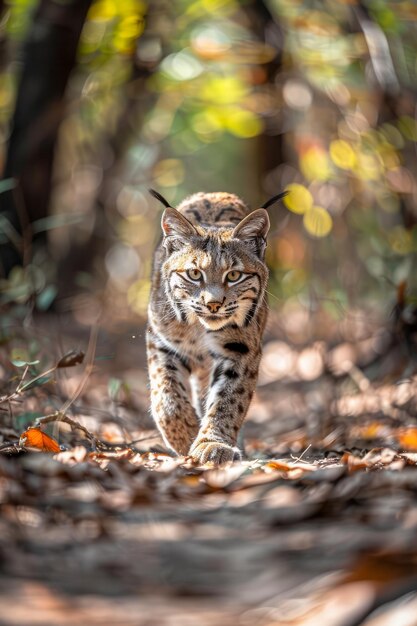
[(215, 276)]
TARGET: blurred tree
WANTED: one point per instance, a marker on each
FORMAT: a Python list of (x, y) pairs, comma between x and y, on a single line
[(267, 29), (249, 96), (48, 58), (141, 58)]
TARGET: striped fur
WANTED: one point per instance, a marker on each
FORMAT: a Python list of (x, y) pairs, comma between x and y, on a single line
[(207, 313)]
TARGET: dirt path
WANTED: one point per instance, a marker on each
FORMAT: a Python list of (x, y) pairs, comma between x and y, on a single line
[(318, 526)]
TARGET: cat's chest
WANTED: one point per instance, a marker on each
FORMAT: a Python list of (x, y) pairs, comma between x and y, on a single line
[(192, 341)]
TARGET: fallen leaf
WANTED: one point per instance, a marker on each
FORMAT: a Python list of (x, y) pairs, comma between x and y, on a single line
[(73, 456), (222, 477), (407, 438), (373, 430), (380, 456), (353, 462), (283, 466), (410, 457), (377, 457), (71, 358), (35, 438), (278, 466)]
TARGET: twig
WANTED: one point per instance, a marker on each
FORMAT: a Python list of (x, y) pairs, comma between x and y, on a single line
[(19, 388), (91, 350), (61, 417), (296, 460), (359, 378), (23, 377), (99, 444), (10, 444)]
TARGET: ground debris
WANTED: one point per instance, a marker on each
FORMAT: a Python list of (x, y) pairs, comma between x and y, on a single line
[(316, 525)]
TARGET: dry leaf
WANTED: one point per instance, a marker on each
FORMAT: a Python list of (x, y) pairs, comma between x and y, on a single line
[(380, 456), (278, 466), (353, 462), (224, 476), (283, 466), (73, 456), (35, 438), (407, 438), (71, 358), (373, 430)]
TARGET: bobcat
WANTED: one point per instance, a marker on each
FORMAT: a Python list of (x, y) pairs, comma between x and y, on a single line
[(207, 313)]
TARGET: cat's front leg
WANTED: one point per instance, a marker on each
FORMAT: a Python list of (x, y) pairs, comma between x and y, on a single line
[(231, 387), (170, 401)]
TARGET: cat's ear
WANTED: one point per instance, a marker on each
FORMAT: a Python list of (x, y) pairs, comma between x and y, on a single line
[(173, 223), (252, 231), (175, 226), (254, 225)]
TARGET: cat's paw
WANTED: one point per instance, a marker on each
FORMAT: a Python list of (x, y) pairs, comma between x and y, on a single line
[(215, 453)]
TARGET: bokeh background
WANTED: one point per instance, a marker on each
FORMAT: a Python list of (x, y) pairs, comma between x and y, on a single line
[(101, 100)]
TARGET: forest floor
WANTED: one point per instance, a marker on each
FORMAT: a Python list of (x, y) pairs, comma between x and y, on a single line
[(316, 527)]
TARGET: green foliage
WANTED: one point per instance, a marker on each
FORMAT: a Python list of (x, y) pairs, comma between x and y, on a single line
[(23, 420), (215, 97)]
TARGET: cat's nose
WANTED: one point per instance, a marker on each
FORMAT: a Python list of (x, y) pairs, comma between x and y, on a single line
[(213, 307)]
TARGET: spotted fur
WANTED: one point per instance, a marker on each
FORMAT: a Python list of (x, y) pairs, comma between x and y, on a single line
[(204, 334)]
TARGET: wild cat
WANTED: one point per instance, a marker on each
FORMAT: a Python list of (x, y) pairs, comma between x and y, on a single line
[(207, 314)]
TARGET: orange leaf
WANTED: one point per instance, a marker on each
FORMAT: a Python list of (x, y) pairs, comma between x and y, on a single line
[(35, 438), (291, 466), (353, 462), (279, 466), (373, 430), (407, 438)]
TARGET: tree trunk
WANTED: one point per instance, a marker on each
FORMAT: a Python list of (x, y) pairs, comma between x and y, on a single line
[(48, 58)]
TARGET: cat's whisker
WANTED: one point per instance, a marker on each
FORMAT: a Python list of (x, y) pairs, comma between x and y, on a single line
[(273, 295)]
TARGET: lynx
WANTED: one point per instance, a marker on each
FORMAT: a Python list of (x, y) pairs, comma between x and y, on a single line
[(207, 314)]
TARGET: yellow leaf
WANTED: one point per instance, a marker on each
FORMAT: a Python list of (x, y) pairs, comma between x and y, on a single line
[(102, 10), (367, 167), (126, 34), (314, 164), (318, 222), (299, 199), (342, 154), (224, 90), (243, 123)]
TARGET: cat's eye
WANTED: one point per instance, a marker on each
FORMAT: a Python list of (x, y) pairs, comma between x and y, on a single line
[(194, 274), (233, 276)]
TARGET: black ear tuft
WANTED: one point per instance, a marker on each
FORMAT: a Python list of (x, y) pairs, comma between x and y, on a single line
[(161, 199), (274, 199)]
